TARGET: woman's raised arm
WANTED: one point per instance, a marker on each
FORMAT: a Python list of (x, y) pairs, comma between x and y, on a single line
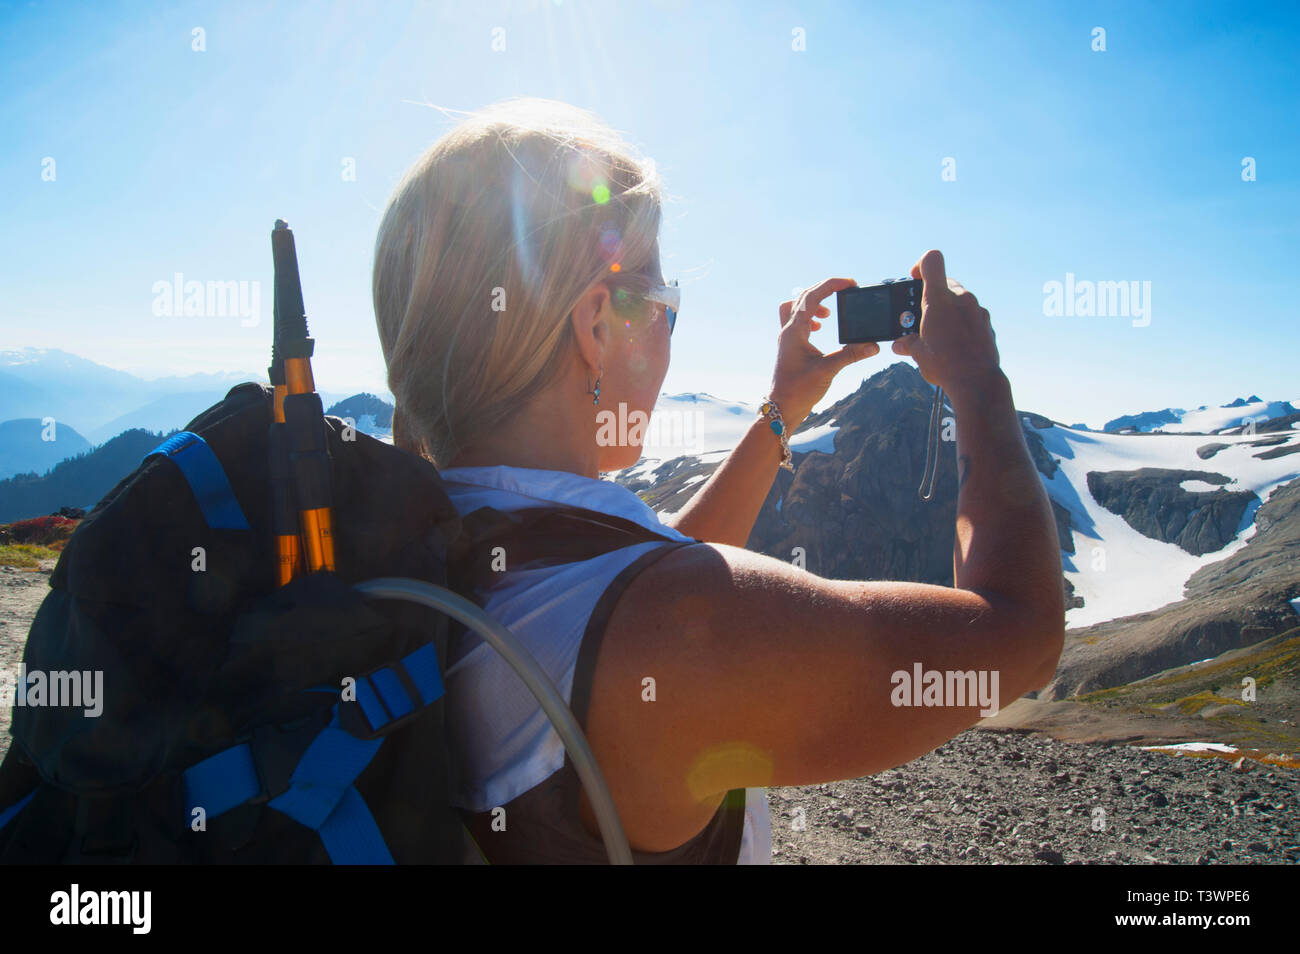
[(766, 674)]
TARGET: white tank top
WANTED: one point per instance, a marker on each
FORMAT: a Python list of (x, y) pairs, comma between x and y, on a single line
[(502, 741)]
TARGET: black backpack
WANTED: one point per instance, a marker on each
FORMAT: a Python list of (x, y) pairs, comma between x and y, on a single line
[(242, 721)]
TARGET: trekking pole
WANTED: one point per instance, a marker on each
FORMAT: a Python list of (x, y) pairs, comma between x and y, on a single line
[(307, 471), (284, 516)]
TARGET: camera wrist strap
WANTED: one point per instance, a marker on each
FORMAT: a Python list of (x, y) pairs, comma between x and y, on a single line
[(926, 490)]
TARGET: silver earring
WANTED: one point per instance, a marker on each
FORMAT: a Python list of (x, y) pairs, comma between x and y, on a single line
[(596, 391)]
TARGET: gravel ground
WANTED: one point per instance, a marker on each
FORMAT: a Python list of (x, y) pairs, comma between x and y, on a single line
[(21, 592), (1011, 798)]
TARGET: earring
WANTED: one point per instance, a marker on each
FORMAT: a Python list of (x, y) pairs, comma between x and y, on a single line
[(596, 392)]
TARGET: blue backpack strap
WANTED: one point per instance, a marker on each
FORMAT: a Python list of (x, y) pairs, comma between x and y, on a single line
[(394, 692), (222, 782), (207, 479), (322, 794), (12, 811)]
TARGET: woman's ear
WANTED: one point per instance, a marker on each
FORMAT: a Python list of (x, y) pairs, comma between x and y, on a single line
[(590, 319)]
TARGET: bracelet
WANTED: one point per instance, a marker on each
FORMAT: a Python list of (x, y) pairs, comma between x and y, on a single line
[(775, 421)]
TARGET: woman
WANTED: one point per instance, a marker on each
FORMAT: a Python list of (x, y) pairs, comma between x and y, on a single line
[(518, 295)]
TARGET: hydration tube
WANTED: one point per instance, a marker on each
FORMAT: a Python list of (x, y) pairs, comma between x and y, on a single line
[(926, 490), (538, 683)]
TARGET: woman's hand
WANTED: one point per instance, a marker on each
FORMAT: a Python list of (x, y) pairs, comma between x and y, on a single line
[(802, 372), (955, 342)]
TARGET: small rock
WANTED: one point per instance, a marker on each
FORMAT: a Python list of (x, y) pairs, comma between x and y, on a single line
[(1049, 855)]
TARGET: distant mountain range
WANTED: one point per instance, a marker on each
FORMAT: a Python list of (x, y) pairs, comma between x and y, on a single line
[(79, 481), (91, 403), (85, 476), (47, 382), (30, 445), (1205, 420)]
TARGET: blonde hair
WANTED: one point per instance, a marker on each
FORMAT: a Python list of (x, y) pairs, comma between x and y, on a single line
[(486, 246)]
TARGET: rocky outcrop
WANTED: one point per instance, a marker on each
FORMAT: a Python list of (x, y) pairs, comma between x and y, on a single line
[(856, 514), (1153, 503), (1285, 422), (1147, 420), (1031, 424), (1238, 601), (1279, 451)]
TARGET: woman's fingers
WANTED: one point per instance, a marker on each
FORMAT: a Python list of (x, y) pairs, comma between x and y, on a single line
[(784, 311), (845, 356), (809, 304)]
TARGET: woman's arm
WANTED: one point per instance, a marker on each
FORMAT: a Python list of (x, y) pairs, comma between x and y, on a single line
[(724, 509)]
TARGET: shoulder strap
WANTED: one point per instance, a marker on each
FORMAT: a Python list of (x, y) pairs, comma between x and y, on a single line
[(535, 537)]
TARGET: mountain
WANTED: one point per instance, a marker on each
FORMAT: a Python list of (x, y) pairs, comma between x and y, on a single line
[(79, 481), (369, 414), (48, 382), (24, 449), (850, 510), (168, 413), (1203, 420)]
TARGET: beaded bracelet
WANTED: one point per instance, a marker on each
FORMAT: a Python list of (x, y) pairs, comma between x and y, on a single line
[(770, 411)]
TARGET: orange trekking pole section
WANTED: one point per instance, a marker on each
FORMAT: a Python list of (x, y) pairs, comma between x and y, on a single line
[(302, 499)]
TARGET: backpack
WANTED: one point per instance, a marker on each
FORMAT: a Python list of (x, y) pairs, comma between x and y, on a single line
[(226, 732)]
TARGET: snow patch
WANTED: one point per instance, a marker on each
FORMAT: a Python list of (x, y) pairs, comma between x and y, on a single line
[(1198, 486), (1116, 570), (1190, 747), (820, 438)]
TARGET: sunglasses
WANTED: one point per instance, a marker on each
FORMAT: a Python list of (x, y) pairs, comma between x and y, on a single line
[(670, 296)]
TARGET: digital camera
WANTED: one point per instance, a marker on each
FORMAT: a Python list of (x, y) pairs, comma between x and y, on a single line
[(879, 312)]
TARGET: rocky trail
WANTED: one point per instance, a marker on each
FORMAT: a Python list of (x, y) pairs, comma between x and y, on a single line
[(989, 797)]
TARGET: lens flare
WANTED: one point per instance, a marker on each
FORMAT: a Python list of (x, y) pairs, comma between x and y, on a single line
[(586, 175), (519, 228), (611, 246)]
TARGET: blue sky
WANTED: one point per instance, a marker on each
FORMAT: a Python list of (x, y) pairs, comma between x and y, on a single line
[(784, 166)]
